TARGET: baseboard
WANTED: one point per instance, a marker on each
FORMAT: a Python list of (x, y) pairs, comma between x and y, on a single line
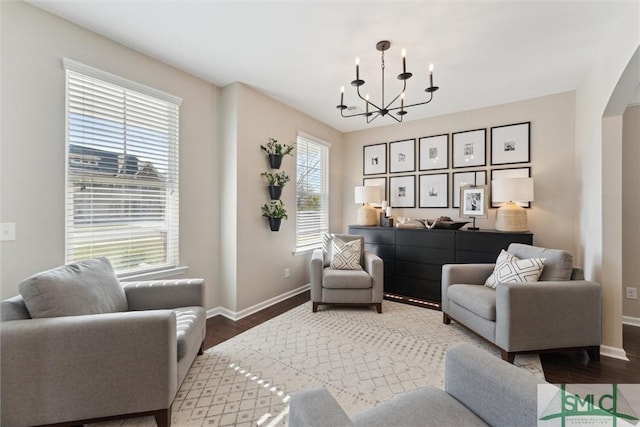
[(229, 314), (614, 352), (632, 321)]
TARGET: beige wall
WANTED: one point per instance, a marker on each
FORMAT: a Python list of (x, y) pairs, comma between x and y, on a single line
[(551, 217), (630, 208), (32, 150), (255, 272)]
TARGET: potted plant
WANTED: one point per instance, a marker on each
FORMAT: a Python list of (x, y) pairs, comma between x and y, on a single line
[(275, 212), (276, 181), (275, 151)]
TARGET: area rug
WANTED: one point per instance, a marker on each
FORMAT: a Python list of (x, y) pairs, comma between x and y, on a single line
[(361, 357)]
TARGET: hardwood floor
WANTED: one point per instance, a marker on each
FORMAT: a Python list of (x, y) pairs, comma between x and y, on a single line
[(559, 368)]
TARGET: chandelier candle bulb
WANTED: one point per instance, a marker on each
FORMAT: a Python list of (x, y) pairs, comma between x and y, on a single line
[(404, 60), (357, 68), (430, 75), (341, 95)]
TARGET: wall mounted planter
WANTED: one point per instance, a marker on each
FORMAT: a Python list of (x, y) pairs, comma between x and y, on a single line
[(275, 160), (275, 191), (274, 223)]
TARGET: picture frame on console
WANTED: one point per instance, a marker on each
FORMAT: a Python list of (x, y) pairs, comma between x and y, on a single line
[(402, 191), (434, 190), (374, 159), (402, 156), (469, 148), (511, 173), (474, 201), (511, 144), (461, 179), (433, 152)]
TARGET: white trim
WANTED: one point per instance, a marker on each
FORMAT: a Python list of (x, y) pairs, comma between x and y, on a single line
[(222, 311), (614, 352), (631, 321), (153, 275), (70, 64), (314, 139)]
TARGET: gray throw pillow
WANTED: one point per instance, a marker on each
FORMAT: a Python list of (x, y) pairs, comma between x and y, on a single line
[(558, 264), (86, 287)]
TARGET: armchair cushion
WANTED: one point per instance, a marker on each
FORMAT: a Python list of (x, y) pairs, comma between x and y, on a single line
[(558, 264), (345, 255), (86, 287), (480, 300), (346, 279)]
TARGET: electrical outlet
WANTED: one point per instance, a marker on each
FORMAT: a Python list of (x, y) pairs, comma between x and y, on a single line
[(632, 293), (8, 231), (287, 273)]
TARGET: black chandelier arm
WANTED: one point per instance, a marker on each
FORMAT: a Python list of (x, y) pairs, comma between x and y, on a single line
[(366, 101), (404, 87), (413, 105)]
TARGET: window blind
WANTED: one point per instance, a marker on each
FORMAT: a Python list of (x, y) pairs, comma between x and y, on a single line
[(312, 180), (122, 172)]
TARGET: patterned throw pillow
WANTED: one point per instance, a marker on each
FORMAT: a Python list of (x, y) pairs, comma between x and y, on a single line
[(510, 269), (345, 255)]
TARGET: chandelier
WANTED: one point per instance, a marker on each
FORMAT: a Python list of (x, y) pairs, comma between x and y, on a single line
[(374, 110)]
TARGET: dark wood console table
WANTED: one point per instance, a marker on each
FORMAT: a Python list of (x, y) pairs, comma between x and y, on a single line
[(413, 257)]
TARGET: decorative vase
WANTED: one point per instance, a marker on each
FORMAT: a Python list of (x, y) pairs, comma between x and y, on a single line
[(275, 160), (274, 223), (275, 191)]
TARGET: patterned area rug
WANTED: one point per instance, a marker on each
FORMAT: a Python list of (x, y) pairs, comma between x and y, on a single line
[(361, 357)]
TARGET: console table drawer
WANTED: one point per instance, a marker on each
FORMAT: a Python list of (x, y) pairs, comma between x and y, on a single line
[(419, 270), (426, 255), (418, 288), (383, 251), (425, 238)]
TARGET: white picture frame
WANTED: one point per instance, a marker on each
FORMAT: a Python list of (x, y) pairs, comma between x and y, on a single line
[(402, 156), (469, 148), (465, 178), (474, 201), (402, 191), (434, 190), (433, 152)]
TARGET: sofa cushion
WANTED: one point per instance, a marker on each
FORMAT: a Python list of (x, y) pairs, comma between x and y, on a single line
[(327, 238), (345, 279), (558, 264), (511, 269), (84, 287), (345, 255), (189, 322), (504, 256), (480, 300)]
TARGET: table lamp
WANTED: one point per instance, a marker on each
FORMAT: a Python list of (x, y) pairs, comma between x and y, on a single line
[(510, 216), (366, 214)]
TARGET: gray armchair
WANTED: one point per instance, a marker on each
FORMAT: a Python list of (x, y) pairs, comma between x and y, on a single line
[(67, 370), (346, 287), (561, 311)]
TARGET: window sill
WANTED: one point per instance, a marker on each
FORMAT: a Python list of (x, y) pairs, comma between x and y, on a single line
[(305, 251), (153, 275)]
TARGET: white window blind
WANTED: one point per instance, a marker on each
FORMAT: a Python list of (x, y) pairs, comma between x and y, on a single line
[(312, 179), (122, 171)]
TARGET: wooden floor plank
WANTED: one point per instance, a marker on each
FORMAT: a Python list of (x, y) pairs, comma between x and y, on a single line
[(559, 368)]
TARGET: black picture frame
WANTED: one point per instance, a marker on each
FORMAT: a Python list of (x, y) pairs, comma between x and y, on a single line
[(433, 152), (402, 156), (511, 144), (377, 181), (402, 191), (433, 190), (374, 159), (469, 148), (459, 179), (523, 172)]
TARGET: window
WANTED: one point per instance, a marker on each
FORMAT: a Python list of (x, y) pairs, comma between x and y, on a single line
[(122, 171), (312, 180)]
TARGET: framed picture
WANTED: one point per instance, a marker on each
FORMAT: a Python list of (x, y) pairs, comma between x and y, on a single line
[(402, 191), (402, 156), (434, 190), (474, 201), (461, 179), (469, 148), (511, 173), (434, 152), (380, 182), (374, 159), (511, 144)]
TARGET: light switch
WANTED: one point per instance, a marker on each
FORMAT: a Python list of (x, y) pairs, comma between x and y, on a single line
[(8, 231)]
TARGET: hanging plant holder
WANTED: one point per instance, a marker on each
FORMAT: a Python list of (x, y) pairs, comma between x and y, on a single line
[(275, 160), (274, 223), (275, 191)]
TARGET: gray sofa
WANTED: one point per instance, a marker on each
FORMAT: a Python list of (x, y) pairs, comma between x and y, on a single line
[(66, 370), (480, 389), (561, 311), (346, 287)]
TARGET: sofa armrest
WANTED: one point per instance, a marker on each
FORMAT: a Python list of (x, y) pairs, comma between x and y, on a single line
[(375, 267), (316, 408), (498, 392), (164, 294), (316, 267), (468, 274), (72, 368), (548, 315)]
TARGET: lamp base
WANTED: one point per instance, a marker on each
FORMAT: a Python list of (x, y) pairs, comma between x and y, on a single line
[(366, 215), (511, 217)]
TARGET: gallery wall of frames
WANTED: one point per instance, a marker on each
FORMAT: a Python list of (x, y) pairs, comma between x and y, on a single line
[(428, 171)]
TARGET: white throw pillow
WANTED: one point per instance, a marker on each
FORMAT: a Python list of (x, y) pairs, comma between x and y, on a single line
[(510, 269), (345, 255)]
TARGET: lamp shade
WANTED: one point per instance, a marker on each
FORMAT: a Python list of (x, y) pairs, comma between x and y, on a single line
[(512, 190), (367, 194)]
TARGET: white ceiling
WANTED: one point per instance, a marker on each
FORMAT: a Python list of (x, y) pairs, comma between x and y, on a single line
[(300, 52)]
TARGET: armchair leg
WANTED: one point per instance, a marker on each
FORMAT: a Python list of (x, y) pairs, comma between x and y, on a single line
[(508, 356), (201, 351), (163, 417), (315, 307), (594, 353), (378, 307), (446, 319)]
